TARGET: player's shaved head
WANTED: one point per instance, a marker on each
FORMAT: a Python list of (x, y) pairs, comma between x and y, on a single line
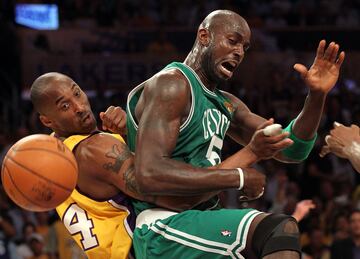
[(40, 86), (222, 18)]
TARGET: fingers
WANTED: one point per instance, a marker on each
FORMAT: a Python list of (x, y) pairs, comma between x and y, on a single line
[(249, 198), (282, 144), (301, 69), (340, 60), (102, 118), (334, 53), (308, 203), (114, 119), (266, 123), (329, 51), (336, 124), (324, 151), (320, 49)]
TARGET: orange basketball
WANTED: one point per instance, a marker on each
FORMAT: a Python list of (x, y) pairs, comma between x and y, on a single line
[(39, 172)]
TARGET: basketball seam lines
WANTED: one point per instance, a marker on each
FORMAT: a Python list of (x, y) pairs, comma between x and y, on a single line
[(40, 176), (18, 189), (44, 149)]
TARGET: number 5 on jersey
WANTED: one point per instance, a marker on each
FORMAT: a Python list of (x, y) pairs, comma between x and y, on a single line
[(211, 153)]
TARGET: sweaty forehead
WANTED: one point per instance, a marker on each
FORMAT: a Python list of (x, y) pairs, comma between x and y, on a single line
[(230, 23)]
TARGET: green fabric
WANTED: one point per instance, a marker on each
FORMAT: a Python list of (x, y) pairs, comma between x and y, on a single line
[(195, 234), (201, 135), (301, 149)]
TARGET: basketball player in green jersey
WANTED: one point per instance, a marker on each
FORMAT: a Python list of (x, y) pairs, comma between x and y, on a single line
[(178, 119), (98, 214)]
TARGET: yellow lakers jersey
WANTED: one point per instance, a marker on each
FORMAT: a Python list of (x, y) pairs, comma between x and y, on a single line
[(103, 229)]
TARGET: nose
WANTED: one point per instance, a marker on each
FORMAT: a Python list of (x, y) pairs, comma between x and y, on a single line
[(79, 108), (239, 52)]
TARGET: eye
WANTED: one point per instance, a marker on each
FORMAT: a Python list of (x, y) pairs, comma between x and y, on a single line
[(246, 47), (232, 41), (64, 106), (77, 93)]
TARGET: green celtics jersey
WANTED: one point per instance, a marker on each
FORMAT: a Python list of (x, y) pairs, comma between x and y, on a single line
[(201, 135)]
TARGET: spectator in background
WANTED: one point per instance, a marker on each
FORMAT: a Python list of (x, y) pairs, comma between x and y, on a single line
[(23, 250), (349, 248), (36, 243), (316, 248), (340, 227), (7, 230)]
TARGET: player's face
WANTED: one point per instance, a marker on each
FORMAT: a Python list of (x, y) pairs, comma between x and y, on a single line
[(69, 109), (226, 51)]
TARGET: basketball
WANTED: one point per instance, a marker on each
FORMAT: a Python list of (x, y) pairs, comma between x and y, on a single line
[(39, 172)]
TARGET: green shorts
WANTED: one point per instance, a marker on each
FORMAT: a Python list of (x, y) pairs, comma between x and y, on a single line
[(193, 234)]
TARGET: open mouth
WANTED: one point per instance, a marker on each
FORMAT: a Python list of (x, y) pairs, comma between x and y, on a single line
[(228, 67)]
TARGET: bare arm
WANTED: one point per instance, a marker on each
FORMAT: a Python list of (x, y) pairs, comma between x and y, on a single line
[(166, 100), (320, 79), (106, 166)]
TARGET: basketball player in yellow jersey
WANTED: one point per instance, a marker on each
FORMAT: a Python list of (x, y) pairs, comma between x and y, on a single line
[(98, 214)]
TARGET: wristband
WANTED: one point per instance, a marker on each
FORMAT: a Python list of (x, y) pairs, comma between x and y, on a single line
[(301, 149), (241, 176)]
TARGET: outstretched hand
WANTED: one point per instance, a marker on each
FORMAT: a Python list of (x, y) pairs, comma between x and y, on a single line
[(114, 120), (324, 72), (302, 209)]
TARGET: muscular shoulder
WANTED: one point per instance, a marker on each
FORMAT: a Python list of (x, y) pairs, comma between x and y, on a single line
[(167, 85)]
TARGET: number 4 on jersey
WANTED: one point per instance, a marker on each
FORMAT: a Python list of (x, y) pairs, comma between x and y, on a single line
[(77, 222)]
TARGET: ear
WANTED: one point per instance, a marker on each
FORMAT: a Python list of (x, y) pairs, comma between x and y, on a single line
[(204, 37), (45, 121)]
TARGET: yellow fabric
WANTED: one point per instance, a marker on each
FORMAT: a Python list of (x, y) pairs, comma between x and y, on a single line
[(99, 227)]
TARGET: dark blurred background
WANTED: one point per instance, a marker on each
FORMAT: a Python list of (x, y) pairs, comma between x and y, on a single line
[(109, 46)]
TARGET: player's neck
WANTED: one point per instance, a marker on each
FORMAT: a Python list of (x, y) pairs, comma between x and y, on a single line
[(195, 64)]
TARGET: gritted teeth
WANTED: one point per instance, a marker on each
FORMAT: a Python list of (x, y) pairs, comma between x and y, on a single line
[(229, 65)]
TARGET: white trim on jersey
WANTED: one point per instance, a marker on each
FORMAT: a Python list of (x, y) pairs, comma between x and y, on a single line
[(205, 244), (137, 88), (192, 108), (126, 224), (201, 83)]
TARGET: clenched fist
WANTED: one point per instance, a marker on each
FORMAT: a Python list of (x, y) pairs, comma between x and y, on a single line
[(114, 120), (254, 184)]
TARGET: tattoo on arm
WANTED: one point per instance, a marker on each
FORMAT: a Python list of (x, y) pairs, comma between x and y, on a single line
[(118, 156), (129, 179)]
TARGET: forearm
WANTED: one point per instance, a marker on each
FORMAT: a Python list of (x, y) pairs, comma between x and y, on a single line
[(308, 120), (170, 177), (243, 158)]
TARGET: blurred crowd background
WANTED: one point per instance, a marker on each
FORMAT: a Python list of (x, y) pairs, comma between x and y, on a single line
[(110, 46)]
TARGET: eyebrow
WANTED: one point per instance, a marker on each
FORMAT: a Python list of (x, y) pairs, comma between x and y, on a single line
[(62, 97), (59, 99)]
